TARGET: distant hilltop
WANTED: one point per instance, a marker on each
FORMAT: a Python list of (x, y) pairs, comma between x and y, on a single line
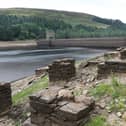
[(73, 18), (25, 23)]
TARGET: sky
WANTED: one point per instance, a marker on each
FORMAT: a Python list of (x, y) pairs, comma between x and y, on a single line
[(112, 9)]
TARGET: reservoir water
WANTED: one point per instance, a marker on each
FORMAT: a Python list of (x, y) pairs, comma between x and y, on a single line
[(20, 63)]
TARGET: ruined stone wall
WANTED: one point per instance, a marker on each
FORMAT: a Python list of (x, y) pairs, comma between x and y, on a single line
[(111, 55), (93, 63), (5, 98), (62, 70), (122, 54), (85, 42), (108, 67), (57, 106)]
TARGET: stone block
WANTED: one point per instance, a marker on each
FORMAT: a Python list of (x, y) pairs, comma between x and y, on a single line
[(5, 98), (74, 111), (62, 70), (111, 55), (41, 102), (28, 123), (55, 106), (46, 96), (108, 67), (59, 122), (123, 54), (93, 63), (38, 118)]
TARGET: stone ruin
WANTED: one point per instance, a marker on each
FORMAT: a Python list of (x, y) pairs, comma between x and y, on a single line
[(62, 70), (57, 106), (60, 105), (50, 35), (117, 65), (110, 55), (110, 67), (5, 98), (93, 63), (122, 54)]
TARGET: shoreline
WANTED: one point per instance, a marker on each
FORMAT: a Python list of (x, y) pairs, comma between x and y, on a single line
[(27, 80), (22, 83), (16, 45), (108, 42)]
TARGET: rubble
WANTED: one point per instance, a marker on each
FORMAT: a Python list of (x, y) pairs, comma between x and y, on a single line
[(49, 109), (122, 54), (109, 67)]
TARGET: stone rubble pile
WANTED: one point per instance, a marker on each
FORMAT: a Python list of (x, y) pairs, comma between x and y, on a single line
[(111, 65), (93, 63), (58, 106), (122, 54), (62, 70), (110, 55), (5, 98)]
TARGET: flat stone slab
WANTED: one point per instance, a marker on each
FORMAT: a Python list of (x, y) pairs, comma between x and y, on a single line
[(28, 123), (93, 62), (73, 111), (50, 94), (47, 96), (59, 122), (112, 62), (57, 106), (43, 102)]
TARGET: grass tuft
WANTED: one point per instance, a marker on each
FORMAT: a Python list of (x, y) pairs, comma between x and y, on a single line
[(97, 121), (115, 90), (23, 95)]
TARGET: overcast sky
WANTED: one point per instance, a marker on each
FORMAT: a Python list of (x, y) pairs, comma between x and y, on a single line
[(114, 9)]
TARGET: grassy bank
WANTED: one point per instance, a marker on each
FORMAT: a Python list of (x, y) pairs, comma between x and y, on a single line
[(35, 87)]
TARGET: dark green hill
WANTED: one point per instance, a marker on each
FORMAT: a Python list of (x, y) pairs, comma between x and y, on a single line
[(68, 17), (24, 23)]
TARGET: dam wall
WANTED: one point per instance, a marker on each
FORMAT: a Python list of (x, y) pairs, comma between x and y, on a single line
[(114, 42)]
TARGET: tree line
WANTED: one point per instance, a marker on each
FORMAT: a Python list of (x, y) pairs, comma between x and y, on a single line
[(14, 27)]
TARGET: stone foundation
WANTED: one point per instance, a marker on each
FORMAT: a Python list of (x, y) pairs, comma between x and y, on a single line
[(41, 71), (108, 67), (93, 63), (57, 106), (111, 55), (5, 98), (62, 70), (122, 54)]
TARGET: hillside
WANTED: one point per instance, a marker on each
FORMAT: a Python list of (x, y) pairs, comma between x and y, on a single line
[(68, 17), (25, 24)]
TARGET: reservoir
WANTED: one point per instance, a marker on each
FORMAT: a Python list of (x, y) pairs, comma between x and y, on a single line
[(16, 64)]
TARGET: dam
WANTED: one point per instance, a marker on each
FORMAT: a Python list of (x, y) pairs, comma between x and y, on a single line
[(107, 42)]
